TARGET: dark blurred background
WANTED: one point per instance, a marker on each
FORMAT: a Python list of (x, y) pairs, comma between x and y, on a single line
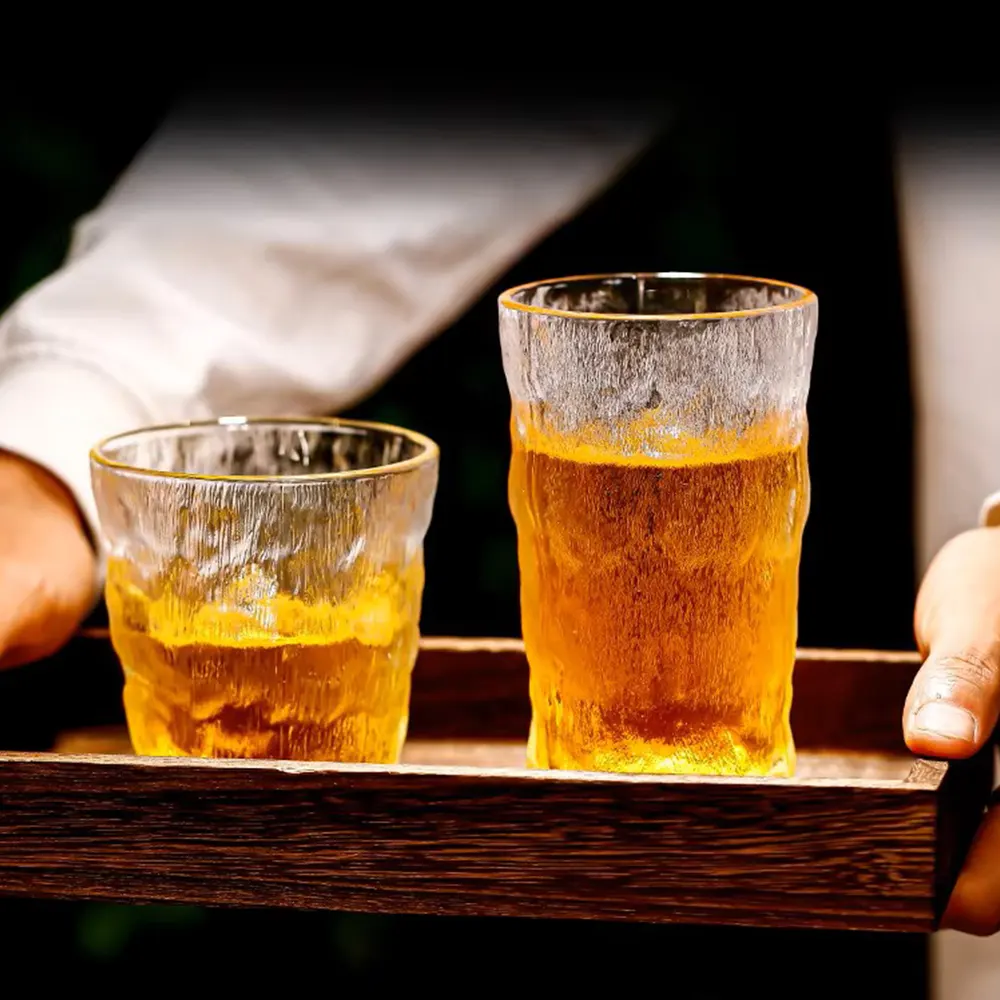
[(803, 193)]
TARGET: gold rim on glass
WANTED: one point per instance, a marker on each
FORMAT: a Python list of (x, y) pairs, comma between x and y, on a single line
[(804, 297), (430, 450)]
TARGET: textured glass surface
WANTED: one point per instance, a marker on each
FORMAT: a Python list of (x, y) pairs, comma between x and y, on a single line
[(660, 486), (264, 585)]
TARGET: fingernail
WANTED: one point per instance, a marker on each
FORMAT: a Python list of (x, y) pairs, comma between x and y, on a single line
[(947, 721)]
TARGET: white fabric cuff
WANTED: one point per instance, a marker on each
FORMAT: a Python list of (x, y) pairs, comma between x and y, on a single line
[(54, 410)]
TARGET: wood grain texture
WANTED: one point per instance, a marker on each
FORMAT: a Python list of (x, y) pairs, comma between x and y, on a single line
[(843, 700), (865, 836), (478, 689), (451, 840)]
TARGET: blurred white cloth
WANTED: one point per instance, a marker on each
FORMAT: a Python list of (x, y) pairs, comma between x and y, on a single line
[(276, 264), (949, 195)]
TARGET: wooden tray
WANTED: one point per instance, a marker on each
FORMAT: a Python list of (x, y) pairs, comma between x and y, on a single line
[(865, 837)]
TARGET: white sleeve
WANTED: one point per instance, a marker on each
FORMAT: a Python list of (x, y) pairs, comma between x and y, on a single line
[(949, 196), (275, 265)]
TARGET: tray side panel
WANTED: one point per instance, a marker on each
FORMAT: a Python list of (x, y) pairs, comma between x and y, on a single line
[(478, 689), (377, 840), (471, 689), (961, 803)]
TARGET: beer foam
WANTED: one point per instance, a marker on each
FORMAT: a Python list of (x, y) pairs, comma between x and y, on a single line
[(650, 440)]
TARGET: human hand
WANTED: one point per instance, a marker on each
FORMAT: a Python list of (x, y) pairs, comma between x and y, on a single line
[(47, 563), (954, 701)]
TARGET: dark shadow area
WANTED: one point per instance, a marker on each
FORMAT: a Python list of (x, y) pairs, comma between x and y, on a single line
[(726, 190), (719, 193), (247, 948)]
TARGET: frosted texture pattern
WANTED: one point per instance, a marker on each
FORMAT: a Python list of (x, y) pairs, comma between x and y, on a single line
[(660, 487), (264, 584)]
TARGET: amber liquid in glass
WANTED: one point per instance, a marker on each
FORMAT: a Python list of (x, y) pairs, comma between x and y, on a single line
[(285, 680), (659, 605)]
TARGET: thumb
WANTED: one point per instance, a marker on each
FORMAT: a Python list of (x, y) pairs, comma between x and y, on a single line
[(954, 701)]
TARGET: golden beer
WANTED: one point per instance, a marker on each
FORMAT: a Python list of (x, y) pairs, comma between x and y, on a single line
[(284, 680), (660, 488), (658, 602), (264, 584)]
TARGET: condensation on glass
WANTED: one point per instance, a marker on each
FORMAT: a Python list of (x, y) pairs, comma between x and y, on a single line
[(264, 583), (660, 486)]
